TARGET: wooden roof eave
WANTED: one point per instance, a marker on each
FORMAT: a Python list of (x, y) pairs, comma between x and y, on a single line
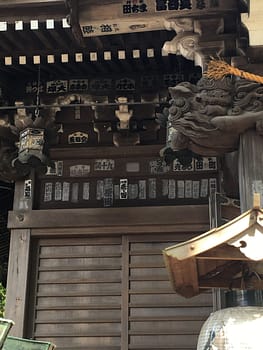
[(27, 10), (214, 237), (215, 258)]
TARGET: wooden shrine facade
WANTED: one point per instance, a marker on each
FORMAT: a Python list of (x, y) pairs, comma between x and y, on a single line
[(125, 178), (95, 201)]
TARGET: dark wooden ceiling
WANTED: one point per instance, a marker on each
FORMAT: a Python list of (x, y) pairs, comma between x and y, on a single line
[(142, 51), (23, 48)]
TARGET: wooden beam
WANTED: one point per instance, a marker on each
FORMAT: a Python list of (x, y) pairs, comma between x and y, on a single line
[(125, 18), (38, 10), (223, 252), (58, 38), (224, 274), (184, 277), (220, 284), (175, 229), (12, 39), (215, 237), (92, 152), (73, 8), (29, 3), (43, 36), (114, 217)]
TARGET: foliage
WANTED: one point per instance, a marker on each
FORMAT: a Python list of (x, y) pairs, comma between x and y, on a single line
[(2, 300)]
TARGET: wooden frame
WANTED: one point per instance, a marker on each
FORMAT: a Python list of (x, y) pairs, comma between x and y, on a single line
[(172, 217), (27, 224), (217, 258)]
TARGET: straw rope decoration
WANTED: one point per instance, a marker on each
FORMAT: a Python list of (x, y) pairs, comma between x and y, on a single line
[(217, 69)]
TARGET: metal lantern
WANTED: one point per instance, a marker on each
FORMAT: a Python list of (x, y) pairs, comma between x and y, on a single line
[(30, 149), (235, 328), (31, 142)]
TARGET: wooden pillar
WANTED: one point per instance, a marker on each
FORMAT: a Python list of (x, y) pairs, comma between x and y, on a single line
[(250, 168), (17, 279)]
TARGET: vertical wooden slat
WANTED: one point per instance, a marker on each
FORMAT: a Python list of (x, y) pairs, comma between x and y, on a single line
[(215, 221), (158, 317), (250, 168), (18, 276), (78, 293), (112, 293), (16, 298), (125, 294)]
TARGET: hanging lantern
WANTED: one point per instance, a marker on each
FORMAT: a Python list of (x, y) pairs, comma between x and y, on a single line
[(30, 149), (238, 326)]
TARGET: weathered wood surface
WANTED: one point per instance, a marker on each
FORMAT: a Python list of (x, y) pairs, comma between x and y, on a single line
[(23, 196), (105, 152), (112, 293), (16, 303), (250, 168), (217, 258), (10, 3), (113, 217), (92, 15), (30, 9)]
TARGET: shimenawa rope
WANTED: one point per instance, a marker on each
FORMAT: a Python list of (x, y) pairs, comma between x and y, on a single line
[(217, 69)]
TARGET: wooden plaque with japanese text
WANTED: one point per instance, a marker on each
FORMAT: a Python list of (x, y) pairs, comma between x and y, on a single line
[(124, 177)]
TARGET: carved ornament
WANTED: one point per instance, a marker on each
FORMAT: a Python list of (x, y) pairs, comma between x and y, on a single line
[(208, 118), (184, 43)]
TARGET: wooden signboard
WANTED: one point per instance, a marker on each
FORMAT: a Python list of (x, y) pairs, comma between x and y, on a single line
[(14, 343), (123, 181), (103, 88), (142, 15)]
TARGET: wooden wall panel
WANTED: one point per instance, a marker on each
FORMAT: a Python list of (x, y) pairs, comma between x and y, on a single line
[(112, 293), (119, 178), (16, 304), (158, 317), (78, 300)]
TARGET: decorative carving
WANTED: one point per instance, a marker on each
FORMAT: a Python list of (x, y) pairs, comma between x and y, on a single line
[(184, 24), (104, 131), (215, 25), (208, 118), (193, 38), (123, 114), (184, 43)]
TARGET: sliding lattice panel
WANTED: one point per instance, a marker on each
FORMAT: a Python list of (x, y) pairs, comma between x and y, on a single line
[(110, 294), (78, 300), (158, 317)]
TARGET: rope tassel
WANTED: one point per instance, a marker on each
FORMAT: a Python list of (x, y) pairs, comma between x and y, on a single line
[(217, 69)]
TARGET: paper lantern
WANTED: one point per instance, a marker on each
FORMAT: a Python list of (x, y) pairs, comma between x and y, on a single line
[(234, 328)]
